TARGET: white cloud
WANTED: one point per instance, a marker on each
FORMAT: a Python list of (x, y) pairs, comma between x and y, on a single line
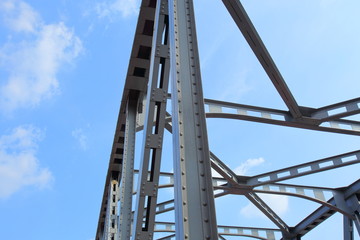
[(111, 9), (278, 203), (19, 166), (33, 63), (80, 136), (247, 165), (19, 16)]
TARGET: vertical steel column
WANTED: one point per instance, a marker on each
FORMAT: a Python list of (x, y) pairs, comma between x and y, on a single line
[(145, 209), (194, 199), (354, 204), (357, 222), (128, 170), (348, 229), (111, 215)]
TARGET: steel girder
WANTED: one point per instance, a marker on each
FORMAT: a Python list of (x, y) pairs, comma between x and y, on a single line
[(125, 215), (155, 112), (171, 28), (194, 201)]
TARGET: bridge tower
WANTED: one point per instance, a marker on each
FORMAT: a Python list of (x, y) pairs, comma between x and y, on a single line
[(163, 92)]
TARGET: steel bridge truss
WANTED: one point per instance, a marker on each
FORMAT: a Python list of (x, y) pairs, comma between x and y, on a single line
[(164, 49)]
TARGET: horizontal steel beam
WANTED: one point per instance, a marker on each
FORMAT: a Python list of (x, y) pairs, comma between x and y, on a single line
[(315, 194), (306, 169), (167, 180), (229, 110), (220, 109), (337, 110), (259, 233), (169, 205)]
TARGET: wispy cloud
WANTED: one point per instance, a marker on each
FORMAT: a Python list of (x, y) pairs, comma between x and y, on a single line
[(33, 63), (111, 9), (244, 167), (19, 166), (279, 204), (81, 138), (236, 87)]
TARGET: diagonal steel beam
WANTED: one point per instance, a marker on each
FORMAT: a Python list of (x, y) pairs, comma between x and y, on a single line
[(306, 169), (314, 219), (263, 207), (245, 25), (169, 237), (324, 212), (222, 169)]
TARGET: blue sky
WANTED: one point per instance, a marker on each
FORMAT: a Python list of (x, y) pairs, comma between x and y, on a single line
[(62, 69)]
